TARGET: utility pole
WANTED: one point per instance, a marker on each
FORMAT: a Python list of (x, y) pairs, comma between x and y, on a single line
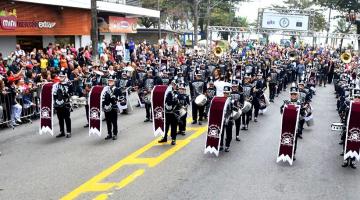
[(196, 21), (158, 7), (328, 28), (94, 33), (207, 27)]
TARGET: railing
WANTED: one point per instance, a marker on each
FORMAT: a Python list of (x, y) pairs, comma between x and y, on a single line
[(15, 109)]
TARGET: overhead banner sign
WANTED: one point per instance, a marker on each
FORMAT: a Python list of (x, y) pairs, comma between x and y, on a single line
[(285, 22), (122, 25)]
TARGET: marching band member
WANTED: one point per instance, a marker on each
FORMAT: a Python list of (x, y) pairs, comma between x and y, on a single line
[(197, 87), (110, 109), (147, 86), (210, 94), (171, 104), (62, 93), (248, 96), (184, 102), (294, 99), (273, 81), (124, 85), (228, 123), (260, 87), (237, 100)]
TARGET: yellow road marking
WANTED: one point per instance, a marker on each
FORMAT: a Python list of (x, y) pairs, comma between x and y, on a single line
[(96, 183)]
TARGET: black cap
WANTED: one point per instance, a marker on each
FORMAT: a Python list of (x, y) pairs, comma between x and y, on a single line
[(294, 90), (235, 82), (356, 92), (227, 89)]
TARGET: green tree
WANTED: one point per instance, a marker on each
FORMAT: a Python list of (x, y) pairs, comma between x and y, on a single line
[(345, 7)]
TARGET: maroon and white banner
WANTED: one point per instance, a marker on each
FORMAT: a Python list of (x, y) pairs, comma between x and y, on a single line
[(46, 109), (290, 119), (352, 142), (158, 95), (216, 118), (95, 108)]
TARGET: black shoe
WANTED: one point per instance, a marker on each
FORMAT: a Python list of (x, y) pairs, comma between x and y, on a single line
[(124, 113), (137, 105), (60, 135), (243, 128), (181, 133), (227, 149), (294, 158), (200, 123), (151, 120), (255, 119), (246, 127), (238, 138), (108, 137), (194, 122), (114, 137), (86, 126), (68, 135), (163, 140), (221, 148), (300, 136), (271, 100), (147, 120), (200, 120), (341, 143), (351, 164), (345, 164), (342, 154), (173, 142)]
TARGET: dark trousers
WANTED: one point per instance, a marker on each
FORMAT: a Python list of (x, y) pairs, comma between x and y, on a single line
[(237, 126), (87, 112), (197, 111), (228, 130), (301, 126), (170, 121), (182, 123), (148, 111), (246, 117), (280, 87), (256, 109), (111, 122), (272, 87), (63, 115), (322, 79)]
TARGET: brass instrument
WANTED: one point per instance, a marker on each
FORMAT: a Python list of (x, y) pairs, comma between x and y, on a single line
[(346, 58), (293, 55), (218, 51)]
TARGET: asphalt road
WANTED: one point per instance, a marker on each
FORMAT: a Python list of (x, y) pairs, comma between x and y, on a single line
[(44, 167)]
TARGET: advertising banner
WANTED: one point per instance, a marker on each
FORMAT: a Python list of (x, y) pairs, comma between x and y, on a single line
[(285, 22)]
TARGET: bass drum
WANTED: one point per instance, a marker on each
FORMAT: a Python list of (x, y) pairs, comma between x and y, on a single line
[(236, 114), (247, 107), (201, 100)]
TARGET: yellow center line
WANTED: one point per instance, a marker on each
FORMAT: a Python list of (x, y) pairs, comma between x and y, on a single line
[(96, 184)]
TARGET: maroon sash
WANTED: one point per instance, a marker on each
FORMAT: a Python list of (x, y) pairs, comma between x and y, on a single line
[(95, 107), (352, 142), (158, 95), (288, 133), (46, 109), (216, 119)]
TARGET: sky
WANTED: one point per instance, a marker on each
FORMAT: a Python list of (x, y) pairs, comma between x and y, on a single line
[(250, 9)]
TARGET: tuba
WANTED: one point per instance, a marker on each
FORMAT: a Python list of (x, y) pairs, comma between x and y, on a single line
[(218, 51), (345, 58), (293, 55)]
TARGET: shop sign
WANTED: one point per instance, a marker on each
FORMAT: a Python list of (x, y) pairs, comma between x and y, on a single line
[(9, 21), (122, 25)]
